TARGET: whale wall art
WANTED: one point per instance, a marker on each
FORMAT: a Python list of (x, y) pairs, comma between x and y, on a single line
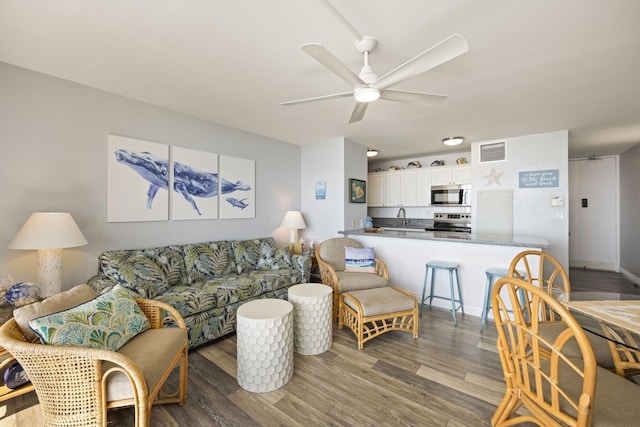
[(140, 174)]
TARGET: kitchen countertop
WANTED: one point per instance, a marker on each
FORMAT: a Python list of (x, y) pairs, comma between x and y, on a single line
[(447, 236)]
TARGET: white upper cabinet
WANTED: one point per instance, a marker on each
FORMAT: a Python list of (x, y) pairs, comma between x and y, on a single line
[(443, 175), (409, 187)]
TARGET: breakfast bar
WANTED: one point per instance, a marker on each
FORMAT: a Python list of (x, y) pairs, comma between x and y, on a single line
[(406, 251)]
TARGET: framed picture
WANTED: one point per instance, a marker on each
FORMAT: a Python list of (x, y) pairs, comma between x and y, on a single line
[(358, 191)]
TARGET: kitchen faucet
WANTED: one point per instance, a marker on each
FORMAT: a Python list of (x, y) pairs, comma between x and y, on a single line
[(404, 216)]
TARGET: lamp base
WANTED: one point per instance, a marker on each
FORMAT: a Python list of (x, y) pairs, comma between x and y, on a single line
[(49, 272)]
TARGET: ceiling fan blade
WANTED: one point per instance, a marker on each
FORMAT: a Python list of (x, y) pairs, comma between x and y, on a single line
[(326, 58), (341, 18), (417, 98), (451, 47), (317, 98), (358, 112)]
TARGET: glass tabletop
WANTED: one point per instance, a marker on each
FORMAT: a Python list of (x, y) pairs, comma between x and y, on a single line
[(611, 315)]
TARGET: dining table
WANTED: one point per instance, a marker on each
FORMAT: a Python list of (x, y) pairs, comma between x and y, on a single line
[(611, 315)]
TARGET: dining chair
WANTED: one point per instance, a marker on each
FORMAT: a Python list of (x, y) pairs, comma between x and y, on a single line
[(544, 271), (556, 389), (330, 255)]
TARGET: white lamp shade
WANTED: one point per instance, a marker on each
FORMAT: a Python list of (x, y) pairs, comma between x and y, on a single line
[(293, 219), (48, 230)]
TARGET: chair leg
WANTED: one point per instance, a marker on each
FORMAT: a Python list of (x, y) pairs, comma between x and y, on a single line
[(459, 292), (487, 303), (453, 298), (424, 289), (433, 274)]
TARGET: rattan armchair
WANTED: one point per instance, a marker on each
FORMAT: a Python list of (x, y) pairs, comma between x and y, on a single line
[(76, 385), (556, 389), (331, 263)]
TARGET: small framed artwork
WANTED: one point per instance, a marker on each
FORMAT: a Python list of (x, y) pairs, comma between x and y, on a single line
[(358, 190)]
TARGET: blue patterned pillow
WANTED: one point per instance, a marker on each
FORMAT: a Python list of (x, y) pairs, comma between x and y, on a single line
[(107, 321), (359, 260)]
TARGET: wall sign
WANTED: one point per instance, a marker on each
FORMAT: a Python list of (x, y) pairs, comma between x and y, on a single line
[(539, 179)]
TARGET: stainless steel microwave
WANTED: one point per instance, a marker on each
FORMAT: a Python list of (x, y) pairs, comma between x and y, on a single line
[(451, 195)]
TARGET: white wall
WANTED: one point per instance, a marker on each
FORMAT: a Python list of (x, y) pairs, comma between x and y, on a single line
[(54, 145), (333, 161), (533, 214)]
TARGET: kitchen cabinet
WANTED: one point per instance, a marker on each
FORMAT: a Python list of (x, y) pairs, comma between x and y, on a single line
[(375, 189), (409, 187), (443, 175)]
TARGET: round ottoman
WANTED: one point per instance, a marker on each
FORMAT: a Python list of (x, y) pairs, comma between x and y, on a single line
[(265, 344), (312, 322)]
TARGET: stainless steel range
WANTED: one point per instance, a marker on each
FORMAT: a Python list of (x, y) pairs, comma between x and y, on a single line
[(456, 222)]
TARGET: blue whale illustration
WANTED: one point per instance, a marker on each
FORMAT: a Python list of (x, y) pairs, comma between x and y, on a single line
[(187, 181), (238, 203)]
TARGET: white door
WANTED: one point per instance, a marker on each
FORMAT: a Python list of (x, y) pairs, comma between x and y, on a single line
[(593, 213)]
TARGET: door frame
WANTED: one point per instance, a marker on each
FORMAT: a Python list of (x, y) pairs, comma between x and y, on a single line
[(616, 216)]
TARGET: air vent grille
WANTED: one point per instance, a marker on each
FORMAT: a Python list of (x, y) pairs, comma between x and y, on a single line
[(494, 152)]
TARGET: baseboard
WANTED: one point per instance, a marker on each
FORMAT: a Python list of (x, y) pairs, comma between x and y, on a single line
[(574, 263), (632, 277)]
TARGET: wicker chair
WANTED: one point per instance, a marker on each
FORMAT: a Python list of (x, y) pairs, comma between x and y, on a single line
[(555, 388), (546, 272), (76, 385), (330, 258)]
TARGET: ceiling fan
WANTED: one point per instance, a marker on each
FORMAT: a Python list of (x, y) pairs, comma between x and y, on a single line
[(367, 86)]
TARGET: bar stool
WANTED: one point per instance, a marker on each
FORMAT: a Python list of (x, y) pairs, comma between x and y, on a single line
[(493, 274), (452, 268)]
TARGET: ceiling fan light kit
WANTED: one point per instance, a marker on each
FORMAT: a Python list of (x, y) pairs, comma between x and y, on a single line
[(372, 152), (367, 94), (367, 86), (453, 140)]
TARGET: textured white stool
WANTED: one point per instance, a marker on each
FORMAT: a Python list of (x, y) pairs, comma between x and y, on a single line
[(312, 322), (265, 344)]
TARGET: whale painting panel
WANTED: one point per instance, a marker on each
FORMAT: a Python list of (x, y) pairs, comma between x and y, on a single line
[(195, 184), (237, 190), (137, 180)]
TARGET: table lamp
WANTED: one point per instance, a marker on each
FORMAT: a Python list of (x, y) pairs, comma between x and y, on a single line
[(293, 221), (49, 233)]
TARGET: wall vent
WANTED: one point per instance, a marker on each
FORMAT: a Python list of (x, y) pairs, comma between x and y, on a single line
[(493, 152)]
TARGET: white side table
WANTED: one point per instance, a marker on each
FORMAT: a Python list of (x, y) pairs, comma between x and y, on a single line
[(265, 344), (312, 322)]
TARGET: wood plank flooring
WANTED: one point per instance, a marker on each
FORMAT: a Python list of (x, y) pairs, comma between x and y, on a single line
[(450, 376)]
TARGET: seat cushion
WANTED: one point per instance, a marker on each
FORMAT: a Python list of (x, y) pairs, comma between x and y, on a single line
[(550, 330), (381, 301), (357, 281), (152, 351)]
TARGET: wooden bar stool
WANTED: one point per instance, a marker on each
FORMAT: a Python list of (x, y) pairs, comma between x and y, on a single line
[(452, 268)]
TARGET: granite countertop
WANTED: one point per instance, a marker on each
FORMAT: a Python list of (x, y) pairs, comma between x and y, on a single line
[(483, 239)]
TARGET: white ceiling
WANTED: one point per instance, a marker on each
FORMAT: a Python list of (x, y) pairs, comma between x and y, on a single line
[(533, 66)]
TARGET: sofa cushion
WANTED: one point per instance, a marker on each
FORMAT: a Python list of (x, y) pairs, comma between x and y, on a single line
[(136, 270), (189, 299), (171, 260), (107, 321), (247, 253), (59, 302), (273, 260), (275, 279), (208, 260)]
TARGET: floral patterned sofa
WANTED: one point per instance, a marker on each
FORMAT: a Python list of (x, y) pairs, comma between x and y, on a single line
[(205, 282)]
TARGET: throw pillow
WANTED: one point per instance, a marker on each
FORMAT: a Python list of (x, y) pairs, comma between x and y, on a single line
[(208, 261), (108, 321), (359, 260)]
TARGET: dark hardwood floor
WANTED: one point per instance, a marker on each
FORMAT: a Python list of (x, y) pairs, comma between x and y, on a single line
[(450, 376)]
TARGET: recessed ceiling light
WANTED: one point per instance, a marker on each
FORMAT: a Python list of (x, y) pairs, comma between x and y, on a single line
[(453, 140), (372, 152)]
